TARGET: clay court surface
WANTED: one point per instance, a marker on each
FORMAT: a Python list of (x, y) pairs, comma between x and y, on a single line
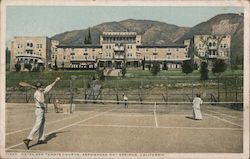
[(111, 128)]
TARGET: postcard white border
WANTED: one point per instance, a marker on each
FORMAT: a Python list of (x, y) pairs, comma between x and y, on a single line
[(226, 3)]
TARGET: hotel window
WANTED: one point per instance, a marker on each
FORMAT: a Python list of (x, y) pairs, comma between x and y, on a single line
[(146, 57), (225, 45), (17, 45), (214, 44), (177, 57), (200, 46), (155, 50), (93, 49), (177, 49), (31, 44), (37, 45), (93, 57), (41, 45), (64, 49), (72, 57), (146, 49), (109, 46), (168, 49), (86, 49), (56, 49), (109, 54), (72, 49), (64, 57), (138, 49)]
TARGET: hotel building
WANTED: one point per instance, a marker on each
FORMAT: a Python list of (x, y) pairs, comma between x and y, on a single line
[(30, 50), (212, 47), (115, 50)]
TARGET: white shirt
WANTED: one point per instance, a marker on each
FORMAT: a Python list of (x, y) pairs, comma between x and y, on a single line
[(125, 98), (196, 102), (39, 96)]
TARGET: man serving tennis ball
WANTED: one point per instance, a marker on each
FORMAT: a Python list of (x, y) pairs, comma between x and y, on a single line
[(40, 113)]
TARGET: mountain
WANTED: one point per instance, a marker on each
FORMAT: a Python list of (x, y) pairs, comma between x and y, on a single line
[(231, 24), (155, 32), (152, 32)]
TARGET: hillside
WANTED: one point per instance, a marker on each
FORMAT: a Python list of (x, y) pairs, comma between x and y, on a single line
[(155, 32)]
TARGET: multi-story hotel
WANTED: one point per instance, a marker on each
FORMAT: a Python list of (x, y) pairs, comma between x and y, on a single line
[(30, 50), (115, 50), (212, 46)]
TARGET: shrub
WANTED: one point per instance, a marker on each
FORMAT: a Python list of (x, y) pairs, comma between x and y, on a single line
[(219, 66), (18, 67), (28, 66), (187, 67), (155, 69), (204, 71)]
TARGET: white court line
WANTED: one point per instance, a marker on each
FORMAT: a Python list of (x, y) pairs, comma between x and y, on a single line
[(98, 114), (161, 127), (156, 122), (47, 123), (132, 115), (225, 114), (227, 121)]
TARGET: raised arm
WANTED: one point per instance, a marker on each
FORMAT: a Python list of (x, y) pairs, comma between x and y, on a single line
[(49, 87)]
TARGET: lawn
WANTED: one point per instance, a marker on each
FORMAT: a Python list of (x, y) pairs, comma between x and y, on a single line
[(134, 78)]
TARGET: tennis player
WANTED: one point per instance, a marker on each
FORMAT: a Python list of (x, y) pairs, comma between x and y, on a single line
[(196, 107)]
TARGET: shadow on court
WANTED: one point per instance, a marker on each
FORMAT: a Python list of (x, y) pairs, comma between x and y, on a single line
[(49, 137)]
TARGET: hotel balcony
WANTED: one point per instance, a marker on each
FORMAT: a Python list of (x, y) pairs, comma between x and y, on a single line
[(212, 48), (212, 56), (28, 55), (29, 48), (119, 48), (119, 56)]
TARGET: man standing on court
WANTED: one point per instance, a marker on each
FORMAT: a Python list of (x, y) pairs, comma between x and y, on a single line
[(40, 113), (196, 107), (125, 98)]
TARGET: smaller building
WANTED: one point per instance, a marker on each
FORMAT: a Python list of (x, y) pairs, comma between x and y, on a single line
[(212, 47), (31, 50), (170, 56), (76, 56)]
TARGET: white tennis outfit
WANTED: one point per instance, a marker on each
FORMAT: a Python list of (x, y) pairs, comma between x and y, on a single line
[(40, 113), (196, 108)]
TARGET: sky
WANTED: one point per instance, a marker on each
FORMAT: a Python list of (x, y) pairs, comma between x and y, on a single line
[(51, 20)]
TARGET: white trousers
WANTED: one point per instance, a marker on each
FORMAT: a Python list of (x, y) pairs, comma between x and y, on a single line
[(39, 125)]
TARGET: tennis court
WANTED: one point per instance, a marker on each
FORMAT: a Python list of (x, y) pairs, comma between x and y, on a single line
[(141, 128)]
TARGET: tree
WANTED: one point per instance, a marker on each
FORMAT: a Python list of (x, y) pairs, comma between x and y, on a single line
[(143, 64), (195, 67), (18, 66), (187, 67), (124, 71), (88, 40), (165, 67), (56, 67), (219, 66), (204, 71), (7, 55), (156, 68)]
